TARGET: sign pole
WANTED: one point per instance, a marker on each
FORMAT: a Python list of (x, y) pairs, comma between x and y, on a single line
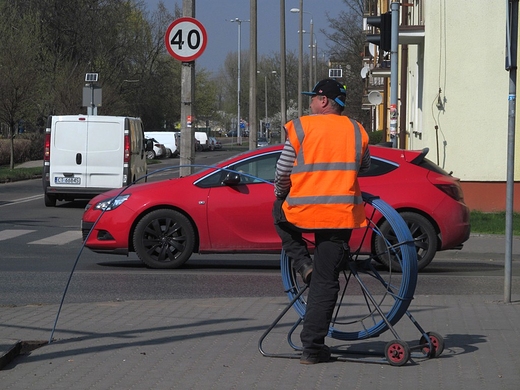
[(187, 151), (394, 62), (511, 66), (185, 40)]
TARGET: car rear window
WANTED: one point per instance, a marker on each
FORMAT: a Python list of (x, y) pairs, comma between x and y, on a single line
[(378, 167), (431, 166)]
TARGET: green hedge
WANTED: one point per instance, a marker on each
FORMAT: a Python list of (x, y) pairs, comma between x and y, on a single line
[(375, 137)]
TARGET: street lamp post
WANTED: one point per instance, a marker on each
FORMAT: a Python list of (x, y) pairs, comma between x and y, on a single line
[(311, 45), (314, 81), (239, 22), (300, 57), (265, 97)]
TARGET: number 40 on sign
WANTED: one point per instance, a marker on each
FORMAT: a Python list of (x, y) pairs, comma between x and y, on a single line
[(185, 39)]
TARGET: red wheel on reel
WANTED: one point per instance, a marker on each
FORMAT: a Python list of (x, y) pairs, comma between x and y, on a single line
[(397, 352), (437, 343)]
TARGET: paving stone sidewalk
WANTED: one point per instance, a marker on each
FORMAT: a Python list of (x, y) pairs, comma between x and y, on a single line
[(213, 344)]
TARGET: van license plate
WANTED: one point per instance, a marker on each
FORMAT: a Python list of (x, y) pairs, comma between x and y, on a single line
[(67, 180)]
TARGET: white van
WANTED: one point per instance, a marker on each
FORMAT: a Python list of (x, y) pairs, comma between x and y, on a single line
[(202, 138), (87, 155), (167, 138)]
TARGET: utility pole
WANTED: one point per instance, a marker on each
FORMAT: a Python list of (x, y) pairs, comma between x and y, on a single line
[(253, 122), (187, 150), (300, 62), (283, 89)]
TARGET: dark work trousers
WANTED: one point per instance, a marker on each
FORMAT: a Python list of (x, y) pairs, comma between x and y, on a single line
[(329, 254), (324, 287), (292, 241)]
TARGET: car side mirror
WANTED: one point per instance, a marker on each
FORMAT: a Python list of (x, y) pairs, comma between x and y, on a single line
[(231, 179)]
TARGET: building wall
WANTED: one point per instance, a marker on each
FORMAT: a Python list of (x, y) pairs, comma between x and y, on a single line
[(463, 57), (489, 196)]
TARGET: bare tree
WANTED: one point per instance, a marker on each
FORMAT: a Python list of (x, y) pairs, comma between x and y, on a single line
[(42, 70), (346, 44), (18, 81)]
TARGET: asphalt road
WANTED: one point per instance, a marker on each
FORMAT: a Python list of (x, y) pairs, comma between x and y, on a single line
[(40, 247)]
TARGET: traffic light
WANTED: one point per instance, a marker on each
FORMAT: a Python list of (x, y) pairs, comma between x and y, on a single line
[(384, 24)]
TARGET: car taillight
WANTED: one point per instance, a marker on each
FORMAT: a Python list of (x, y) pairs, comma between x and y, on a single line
[(126, 156), (47, 148), (452, 190)]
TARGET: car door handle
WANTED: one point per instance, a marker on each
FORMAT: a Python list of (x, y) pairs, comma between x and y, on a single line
[(78, 158)]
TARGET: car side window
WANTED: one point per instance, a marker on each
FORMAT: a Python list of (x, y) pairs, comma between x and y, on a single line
[(258, 168), (254, 170), (378, 167)]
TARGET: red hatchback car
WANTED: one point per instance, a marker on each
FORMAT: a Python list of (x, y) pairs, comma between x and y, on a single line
[(227, 209)]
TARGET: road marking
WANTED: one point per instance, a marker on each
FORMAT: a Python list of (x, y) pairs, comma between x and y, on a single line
[(59, 239), (21, 200), (7, 234)]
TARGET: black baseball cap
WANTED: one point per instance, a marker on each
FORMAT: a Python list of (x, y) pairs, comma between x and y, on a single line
[(330, 88)]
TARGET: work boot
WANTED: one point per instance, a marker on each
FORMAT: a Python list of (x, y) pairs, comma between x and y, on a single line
[(321, 356), (305, 272)]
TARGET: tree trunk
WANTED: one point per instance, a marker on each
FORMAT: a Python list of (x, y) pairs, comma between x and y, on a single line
[(12, 134)]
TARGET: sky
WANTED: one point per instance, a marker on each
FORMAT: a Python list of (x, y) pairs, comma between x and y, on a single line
[(215, 16)]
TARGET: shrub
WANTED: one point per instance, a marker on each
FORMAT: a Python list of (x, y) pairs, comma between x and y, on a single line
[(375, 137), (36, 145), (27, 147)]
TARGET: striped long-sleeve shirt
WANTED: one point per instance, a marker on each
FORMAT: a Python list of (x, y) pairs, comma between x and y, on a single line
[(284, 165)]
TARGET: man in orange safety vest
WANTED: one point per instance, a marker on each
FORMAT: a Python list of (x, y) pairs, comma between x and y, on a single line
[(317, 191)]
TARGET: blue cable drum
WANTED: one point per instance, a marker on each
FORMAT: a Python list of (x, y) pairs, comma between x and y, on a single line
[(405, 252)]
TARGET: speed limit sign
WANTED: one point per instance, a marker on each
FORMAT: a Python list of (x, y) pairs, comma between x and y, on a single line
[(185, 39)]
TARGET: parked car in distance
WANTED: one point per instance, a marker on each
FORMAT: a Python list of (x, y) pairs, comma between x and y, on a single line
[(154, 149), (203, 140), (168, 139), (231, 133), (226, 208), (261, 142), (214, 144)]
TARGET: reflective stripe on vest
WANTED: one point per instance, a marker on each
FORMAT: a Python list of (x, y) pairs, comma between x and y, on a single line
[(334, 199), (302, 167)]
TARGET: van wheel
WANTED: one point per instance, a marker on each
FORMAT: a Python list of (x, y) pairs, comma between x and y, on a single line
[(164, 239), (50, 200)]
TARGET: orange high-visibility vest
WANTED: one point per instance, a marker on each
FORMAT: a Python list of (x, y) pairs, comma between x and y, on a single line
[(324, 190)]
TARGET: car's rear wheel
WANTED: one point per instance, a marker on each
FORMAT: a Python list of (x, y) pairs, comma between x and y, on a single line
[(423, 233), (168, 153), (164, 239)]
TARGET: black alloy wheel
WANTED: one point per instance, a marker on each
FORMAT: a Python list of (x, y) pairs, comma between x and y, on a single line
[(164, 238), (423, 233)]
